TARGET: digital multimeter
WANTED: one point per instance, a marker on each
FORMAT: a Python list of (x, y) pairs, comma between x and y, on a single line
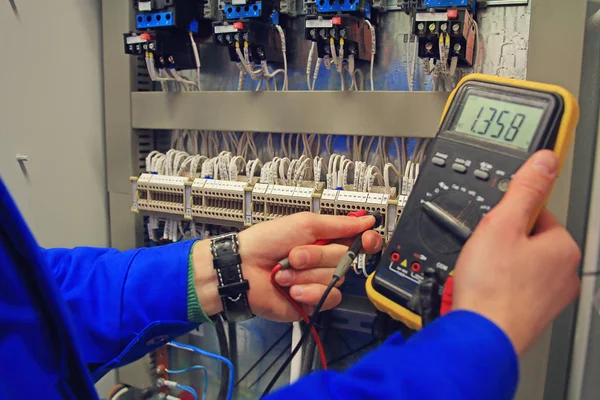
[(489, 128)]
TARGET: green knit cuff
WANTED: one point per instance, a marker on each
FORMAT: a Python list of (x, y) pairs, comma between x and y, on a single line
[(195, 313)]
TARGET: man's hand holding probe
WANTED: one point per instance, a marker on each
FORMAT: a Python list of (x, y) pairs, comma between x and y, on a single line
[(312, 266)]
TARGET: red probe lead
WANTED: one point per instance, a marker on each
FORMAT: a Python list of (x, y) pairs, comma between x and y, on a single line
[(300, 311)]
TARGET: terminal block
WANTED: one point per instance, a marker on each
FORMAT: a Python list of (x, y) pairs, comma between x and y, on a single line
[(274, 201), (341, 202), (240, 9), (354, 31), (447, 3), (219, 201), (161, 194), (264, 42), (360, 8), (184, 15), (170, 49), (456, 23)]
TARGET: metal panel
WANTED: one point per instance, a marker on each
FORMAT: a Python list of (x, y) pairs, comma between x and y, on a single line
[(121, 143), (583, 383), (353, 113), (119, 78), (126, 228), (562, 68)]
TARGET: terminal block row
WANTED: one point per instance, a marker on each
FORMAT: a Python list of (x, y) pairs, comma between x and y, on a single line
[(274, 201), (342, 202), (242, 203), (187, 198)]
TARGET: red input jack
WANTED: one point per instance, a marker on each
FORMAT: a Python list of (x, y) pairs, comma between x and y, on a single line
[(416, 267), (395, 257)]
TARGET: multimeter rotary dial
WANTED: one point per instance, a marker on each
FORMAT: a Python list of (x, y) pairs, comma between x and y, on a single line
[(447, 221)]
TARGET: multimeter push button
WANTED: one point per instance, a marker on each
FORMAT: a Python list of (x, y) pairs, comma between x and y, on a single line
[(459, 168), (479, 174), (439, 161)]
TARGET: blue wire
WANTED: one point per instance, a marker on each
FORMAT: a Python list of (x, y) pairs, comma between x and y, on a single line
[(215, 356), (188, 389), (180, 371)]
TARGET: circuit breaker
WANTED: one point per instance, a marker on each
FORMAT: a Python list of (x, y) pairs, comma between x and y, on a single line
[(433, 28), (353, 30), (170, 49), (262, 39), (251, 26)]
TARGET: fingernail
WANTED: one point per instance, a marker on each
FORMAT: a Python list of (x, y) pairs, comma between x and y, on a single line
[(285, 277), (301, 257), (296, 291), (546, 163), (367, 217)]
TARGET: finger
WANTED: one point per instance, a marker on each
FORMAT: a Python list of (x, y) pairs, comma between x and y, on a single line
[(311, 294), (546, 222), (311, 256), (289, 277), (528, 190), (371, 242), (335, 227)]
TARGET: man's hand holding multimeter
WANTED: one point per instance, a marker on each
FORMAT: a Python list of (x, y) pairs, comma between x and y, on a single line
[(490, 128), (519, 281)]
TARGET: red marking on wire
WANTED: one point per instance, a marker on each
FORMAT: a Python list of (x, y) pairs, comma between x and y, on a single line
[(447, 296), (300, 311)]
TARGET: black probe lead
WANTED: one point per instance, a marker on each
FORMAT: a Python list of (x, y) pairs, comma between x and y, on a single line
[(304, 336), (341, 269)]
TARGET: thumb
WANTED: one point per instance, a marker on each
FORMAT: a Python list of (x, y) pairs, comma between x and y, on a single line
[(529, 188)]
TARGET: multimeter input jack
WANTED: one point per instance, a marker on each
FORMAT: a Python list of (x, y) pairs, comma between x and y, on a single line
[(395, 257), (415, 266)]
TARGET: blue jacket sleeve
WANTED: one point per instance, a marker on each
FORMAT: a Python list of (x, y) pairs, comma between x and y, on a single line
[(123, 304), (460, 356)]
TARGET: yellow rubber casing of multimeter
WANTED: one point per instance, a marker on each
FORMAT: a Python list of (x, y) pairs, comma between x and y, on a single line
[(562, 144)]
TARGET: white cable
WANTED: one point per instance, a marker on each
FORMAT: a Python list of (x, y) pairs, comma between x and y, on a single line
[(373, 51), (296, 364), (283, 51), (480, 50), (149, 160), (120, 393), (309, 64), (197, 58), (411, 66), (316, 74), (180, 79), (255, 74), (350, 67), (347, 165), (284, 166), (233, 167), (386, 175)]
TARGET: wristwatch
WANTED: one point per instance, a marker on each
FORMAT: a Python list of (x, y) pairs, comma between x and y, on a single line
[(232, 285)]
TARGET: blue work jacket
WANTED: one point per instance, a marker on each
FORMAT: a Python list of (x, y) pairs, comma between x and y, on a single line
[(69, 316)]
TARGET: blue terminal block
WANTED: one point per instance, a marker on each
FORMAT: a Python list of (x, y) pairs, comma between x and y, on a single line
[(154, 20), (446, 3), (247, 11), (329, 6)]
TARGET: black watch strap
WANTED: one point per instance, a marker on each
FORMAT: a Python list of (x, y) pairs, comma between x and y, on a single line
[(232, 285)]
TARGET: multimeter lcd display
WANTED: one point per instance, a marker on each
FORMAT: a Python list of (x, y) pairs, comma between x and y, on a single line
[(504, 122)]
